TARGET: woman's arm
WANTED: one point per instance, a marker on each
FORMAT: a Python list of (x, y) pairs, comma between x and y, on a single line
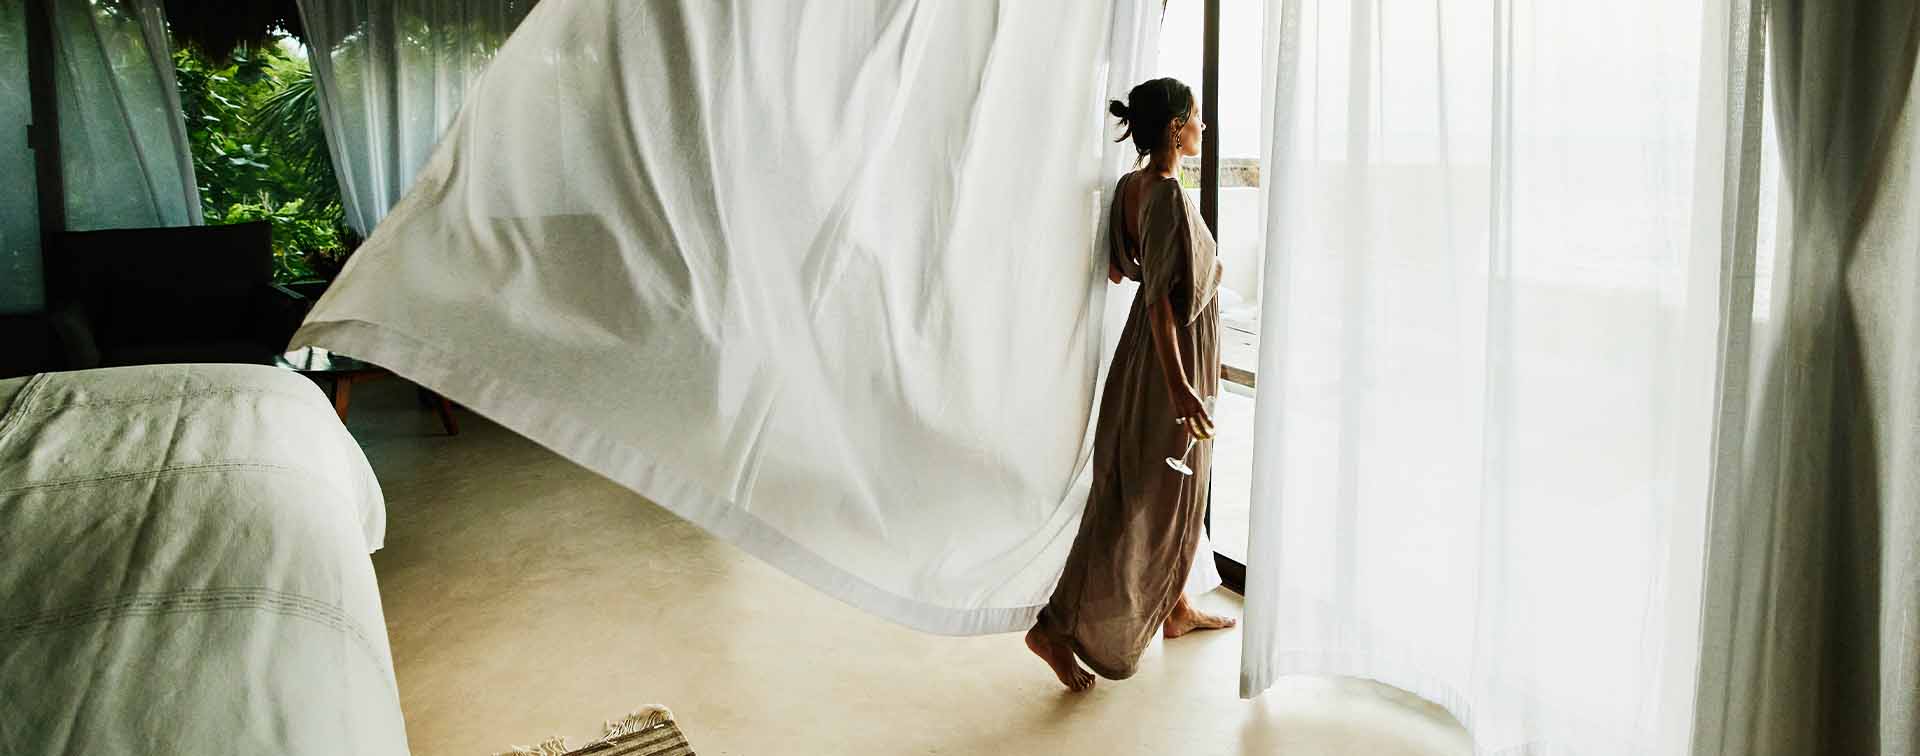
[(1166, 343)]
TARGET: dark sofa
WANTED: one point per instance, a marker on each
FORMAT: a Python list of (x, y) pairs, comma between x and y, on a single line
[(28, 345), (167, 295)]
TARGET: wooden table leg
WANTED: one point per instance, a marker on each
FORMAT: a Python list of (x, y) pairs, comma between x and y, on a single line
[(342, 396), (446, 417)]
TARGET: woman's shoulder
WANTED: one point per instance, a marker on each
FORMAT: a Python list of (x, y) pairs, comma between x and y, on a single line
[(1145, 195), (1143, 176), (1156, 190)]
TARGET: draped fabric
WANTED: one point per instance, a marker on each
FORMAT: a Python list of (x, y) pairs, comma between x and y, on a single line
[(1499, 245), (1142, 526), (20, 282), (392, 75), (822, 277), (124, 152), (1812, 623)]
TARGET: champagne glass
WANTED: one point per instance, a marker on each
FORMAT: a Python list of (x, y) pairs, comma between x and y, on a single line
[(1179, 464)]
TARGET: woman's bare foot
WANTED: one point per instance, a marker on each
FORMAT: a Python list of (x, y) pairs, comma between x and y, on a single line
[(1186, 619), (1060, 658)]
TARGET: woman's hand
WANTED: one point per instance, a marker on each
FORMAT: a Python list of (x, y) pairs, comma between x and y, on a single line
[(1186, 402), (1187, 405)]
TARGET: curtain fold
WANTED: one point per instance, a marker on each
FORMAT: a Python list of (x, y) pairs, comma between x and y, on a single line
[(1500, 238), (124, 150), (20, 281), (821, 277), (392, 74), (1812, 623)]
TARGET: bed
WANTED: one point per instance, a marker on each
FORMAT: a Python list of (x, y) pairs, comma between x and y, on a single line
[(184, 568)]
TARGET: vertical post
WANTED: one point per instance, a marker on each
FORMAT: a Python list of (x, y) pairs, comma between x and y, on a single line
[(1210, 112), (1232, 573), (44, 136)]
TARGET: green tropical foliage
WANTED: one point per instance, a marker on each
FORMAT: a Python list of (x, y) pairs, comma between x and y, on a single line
[(303, 241), (289, 119), (259, 154)]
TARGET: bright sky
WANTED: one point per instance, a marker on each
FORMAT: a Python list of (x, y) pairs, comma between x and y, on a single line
[(1240, 29)]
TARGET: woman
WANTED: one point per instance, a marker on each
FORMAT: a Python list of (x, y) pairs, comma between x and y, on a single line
[(1124, 578)]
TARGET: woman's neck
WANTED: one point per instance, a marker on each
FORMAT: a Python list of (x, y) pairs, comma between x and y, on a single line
[(1164, 163)]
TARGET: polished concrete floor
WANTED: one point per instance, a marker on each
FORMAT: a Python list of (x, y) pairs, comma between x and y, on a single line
[(527, 597)]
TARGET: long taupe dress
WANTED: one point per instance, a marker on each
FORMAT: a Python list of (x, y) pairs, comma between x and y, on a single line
[(1143, 519)]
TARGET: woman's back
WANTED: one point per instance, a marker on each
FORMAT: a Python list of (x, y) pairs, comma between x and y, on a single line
[(1131, 198)]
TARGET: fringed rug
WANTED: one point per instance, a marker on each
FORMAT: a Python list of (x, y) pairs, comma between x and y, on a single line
[(649, 731)]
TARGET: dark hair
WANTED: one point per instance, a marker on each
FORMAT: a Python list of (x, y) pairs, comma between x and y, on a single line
[(1148, 110)]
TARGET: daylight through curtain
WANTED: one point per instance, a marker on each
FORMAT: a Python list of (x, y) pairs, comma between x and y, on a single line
[(1497, 241), (392, 75)]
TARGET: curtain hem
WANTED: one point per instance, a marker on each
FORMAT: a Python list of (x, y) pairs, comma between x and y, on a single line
[(576, 439), (1383, 669)]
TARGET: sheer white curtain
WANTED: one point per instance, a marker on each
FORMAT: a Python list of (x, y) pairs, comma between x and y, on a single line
[(392, 74), (124, 150), (1812, 621), (1498, 234), (20, 289)]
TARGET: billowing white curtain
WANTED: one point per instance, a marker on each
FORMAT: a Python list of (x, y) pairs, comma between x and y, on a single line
[(20, 283), (1812, 622), (392, 75), (822, 277), (123, 142), (1500, 240)]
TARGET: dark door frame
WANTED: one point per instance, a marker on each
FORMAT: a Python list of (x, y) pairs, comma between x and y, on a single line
[(43, 137), (1232, 572)]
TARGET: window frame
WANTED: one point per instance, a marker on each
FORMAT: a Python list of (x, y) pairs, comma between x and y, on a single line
[(1233, 573)]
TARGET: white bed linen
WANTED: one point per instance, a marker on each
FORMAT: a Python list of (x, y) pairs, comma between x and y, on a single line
[(184, 569)]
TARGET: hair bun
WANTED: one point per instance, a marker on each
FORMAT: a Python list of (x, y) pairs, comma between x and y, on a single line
[(1119, 110)]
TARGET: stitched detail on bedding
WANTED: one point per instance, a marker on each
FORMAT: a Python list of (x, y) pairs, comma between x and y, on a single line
[(195, 469), (154, 398), (192, 601), (156, 472)]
